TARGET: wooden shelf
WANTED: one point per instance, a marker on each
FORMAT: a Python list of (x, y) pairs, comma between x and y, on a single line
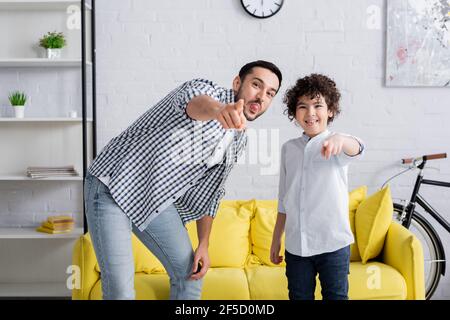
[(37, 289), (39, 5), (40, 62), (31, 233), (54, 119), (25, 178)]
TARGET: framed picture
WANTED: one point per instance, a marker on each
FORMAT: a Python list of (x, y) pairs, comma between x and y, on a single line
[(418, 43)]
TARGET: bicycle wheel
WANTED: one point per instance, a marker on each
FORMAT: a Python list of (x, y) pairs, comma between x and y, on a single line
[(430, 244)]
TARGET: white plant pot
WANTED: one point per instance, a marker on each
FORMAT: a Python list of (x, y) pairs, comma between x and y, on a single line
[(53, 53), (19, 111)]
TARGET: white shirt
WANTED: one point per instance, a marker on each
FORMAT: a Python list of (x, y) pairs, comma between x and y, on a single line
[(219, 151), (313, 193)]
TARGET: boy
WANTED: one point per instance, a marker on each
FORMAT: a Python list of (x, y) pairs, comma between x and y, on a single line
[(313, 194)]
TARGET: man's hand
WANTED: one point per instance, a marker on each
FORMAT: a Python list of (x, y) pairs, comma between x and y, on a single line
[(201, 257), (232, 116)]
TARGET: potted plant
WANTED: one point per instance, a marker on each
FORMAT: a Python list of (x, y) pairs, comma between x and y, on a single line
[(18, 100), (53, 42)]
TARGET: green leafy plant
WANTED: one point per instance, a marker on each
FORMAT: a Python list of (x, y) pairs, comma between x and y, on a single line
[(17, 98), (53, 40)]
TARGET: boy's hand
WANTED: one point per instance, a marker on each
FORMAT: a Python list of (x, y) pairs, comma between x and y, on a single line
[(332, 146), (232, 116), (275, 252)]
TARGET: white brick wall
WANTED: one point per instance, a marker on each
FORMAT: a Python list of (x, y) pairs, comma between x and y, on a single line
[(146, 48), (25, 204)]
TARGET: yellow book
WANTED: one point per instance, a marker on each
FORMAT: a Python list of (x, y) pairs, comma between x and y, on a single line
[(59, 219), (47, 230), (58, 226)]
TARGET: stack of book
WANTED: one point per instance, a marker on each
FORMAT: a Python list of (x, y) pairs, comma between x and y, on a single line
[(46, 172), (57, 224)]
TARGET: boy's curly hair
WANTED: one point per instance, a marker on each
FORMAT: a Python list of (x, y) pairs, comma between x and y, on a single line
[(312, 86)]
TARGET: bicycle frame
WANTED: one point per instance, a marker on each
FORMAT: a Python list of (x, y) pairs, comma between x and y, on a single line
[(416, 197)]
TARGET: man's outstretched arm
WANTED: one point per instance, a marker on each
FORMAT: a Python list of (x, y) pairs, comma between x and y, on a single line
[(205, 108)]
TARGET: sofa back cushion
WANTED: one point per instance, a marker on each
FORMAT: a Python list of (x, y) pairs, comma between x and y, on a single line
[(372, 220), (229, 242), (355, 198), (262, 226)]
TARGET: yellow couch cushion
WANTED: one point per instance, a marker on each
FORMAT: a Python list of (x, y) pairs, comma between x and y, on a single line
[(147, 286), (225, 283), (373, 280), (403, 251), (229, 243), (267, 283), (372, 220), (219, 283), (355, 198), (262, 226)]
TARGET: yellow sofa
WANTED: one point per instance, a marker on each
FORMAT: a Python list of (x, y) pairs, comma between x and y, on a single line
[(241, 268)]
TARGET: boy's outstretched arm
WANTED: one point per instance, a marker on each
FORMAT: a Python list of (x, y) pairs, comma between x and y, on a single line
[(337, 143), (275, 248)]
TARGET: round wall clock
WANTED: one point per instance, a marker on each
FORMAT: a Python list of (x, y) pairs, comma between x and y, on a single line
[(262, 8)]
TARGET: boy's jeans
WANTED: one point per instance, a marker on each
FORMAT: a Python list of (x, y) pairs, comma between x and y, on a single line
[(166, 237), (333, 269)]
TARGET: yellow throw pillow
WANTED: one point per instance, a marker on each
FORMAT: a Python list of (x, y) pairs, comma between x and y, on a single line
[(229, 243), (372, 220), (262, 226), (355, 198)]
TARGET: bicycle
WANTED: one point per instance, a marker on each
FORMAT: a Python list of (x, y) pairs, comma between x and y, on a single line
[(406, 215)]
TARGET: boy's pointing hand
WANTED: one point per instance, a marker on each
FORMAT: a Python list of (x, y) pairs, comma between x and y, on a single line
[(332, 146)]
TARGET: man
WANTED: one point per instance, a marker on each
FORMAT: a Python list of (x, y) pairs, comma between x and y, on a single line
[(166, 169)]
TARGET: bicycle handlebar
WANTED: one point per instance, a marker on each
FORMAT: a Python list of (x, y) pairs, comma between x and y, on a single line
[(425, 157)]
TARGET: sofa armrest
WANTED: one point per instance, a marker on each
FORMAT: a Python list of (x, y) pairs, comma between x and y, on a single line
[(403, 251), (83, 256)]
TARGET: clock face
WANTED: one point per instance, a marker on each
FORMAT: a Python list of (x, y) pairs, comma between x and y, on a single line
[(262, 8)]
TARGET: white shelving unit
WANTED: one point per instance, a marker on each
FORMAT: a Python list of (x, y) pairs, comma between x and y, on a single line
[(31, 233), (36, 5), (41, 289), (41, 62), (37, 262), (44, 119)]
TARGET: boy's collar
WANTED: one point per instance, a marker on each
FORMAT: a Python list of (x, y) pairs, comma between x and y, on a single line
[(307, 138)]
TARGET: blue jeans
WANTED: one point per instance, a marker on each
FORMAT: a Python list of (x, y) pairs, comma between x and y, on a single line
[(166, 237), (332, 267)]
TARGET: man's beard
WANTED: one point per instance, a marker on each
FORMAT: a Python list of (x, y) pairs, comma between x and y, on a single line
[(248, 117)]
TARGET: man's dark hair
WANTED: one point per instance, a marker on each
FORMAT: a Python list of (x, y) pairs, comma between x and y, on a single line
[(312, 86), (246, 69)]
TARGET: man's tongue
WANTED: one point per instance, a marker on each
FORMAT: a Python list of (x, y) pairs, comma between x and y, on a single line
[(254, 107)]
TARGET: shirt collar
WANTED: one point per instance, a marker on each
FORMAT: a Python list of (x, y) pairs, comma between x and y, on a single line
[(306, 138)]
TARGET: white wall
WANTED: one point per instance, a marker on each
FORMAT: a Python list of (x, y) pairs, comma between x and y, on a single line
[(146, 48)]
